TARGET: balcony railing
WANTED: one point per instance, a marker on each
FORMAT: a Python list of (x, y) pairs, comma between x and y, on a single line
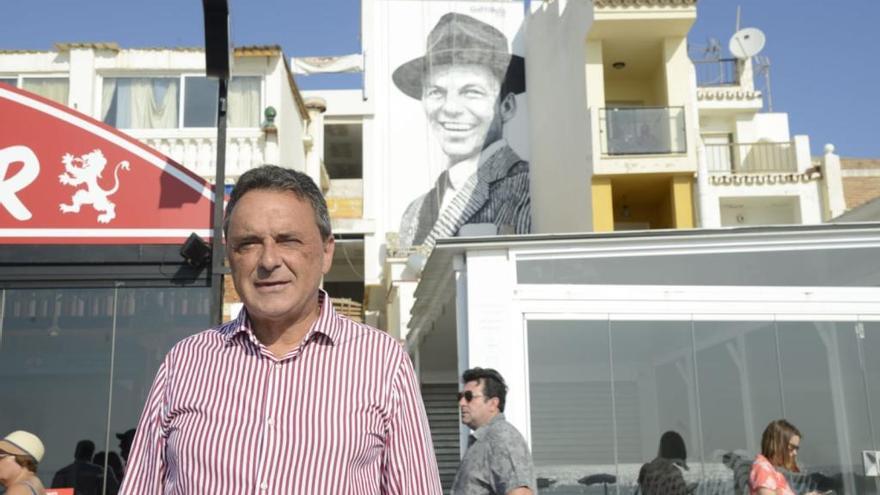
[(196, 149), (642, 130), (724, 72), (751, 158)]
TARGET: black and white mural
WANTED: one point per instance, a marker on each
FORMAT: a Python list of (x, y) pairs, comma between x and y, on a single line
[(457, 106)]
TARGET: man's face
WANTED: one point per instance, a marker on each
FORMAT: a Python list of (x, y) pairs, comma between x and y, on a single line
[(480, 409), (276, 255), (461, 102)]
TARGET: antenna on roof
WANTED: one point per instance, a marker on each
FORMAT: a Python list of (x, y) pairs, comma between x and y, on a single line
[(712, 51), (738, 16), (762, 66), (746, 43)]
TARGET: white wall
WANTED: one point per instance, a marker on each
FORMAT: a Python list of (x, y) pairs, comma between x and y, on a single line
[(560, 138), (291, 125)]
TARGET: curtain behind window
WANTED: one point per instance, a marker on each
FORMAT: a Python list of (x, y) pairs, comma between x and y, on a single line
[(54, 88), (140, 103), (244, 102)]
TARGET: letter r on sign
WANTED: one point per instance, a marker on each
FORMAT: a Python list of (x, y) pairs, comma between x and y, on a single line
[(10, 186)]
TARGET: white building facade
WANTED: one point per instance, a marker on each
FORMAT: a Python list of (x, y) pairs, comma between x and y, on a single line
[(161, 97)]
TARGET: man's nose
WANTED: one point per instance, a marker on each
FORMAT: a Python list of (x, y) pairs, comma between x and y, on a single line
[(452, 105), (269, 257)]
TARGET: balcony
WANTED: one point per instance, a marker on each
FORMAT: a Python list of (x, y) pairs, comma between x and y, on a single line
[(724, 72), (642, 131), (751, 158), (196, 149)]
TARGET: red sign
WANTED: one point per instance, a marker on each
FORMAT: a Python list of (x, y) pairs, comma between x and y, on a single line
[(66, 178)]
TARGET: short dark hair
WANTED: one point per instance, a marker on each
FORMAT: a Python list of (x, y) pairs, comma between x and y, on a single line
[(85, 449), (275, 178), (492, 381)]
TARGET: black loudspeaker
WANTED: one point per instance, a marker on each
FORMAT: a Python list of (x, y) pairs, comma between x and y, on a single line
[(218, 43), (195, 251)]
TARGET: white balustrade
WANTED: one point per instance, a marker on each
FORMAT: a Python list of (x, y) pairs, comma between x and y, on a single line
[(196, 149)]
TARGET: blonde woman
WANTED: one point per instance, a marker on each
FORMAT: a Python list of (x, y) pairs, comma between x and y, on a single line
[(20, 452), (779, 449)]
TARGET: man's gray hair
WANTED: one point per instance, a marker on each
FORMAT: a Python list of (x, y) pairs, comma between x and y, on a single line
[(275, 178)]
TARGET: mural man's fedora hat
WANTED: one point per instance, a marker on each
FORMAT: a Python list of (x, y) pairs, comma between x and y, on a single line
[(459, 39)]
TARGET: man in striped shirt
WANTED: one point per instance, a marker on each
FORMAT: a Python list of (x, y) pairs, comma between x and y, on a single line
[(467, 83), (290, 397)]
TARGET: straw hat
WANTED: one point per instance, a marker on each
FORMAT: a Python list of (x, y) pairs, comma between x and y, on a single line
[(23, 443)]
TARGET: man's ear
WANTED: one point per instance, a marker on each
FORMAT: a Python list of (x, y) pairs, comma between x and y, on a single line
[(508, 107), (327, 261)]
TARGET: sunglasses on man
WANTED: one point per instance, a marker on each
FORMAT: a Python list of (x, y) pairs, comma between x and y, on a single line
[(468, 395)]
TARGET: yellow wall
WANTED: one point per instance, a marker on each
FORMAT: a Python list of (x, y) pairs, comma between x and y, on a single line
[(639, 92), (603, 213), (655, 201), (682, 201)]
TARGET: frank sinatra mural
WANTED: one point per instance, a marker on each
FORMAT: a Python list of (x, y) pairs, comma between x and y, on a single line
[(469, 88)]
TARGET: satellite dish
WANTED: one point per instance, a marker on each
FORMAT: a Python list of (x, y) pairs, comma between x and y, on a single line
[(747, 43)]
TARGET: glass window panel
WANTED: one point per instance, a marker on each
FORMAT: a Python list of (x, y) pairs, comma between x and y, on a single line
[(654, 393), (53, 88), (870, 354), (200, 102), (149, 323), (570, 399), (55, 347), (244, 102), (828, 268), (823, 388), (11, 81), (739, 390), (140, 103)]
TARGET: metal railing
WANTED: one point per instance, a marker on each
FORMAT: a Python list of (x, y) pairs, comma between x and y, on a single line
[(751, 158), (642, 130), (724, 72)]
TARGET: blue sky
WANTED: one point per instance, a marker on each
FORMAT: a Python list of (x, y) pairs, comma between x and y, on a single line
[(825, 66)]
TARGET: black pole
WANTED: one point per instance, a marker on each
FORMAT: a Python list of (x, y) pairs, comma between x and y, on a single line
[(218, 59), (217, 252)]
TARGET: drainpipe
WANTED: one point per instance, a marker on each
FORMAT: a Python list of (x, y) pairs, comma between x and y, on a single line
[(315, 159)]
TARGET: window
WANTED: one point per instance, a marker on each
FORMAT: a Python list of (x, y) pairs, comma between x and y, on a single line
[(200, 102), (140, 102), (343, 150), (53, 88), (76, 363), (159, 102), (12, 81), (604, 392)]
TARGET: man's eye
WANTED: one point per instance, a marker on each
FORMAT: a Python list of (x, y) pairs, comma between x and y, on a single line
[(433, 93), (245, 246), (474, 93)]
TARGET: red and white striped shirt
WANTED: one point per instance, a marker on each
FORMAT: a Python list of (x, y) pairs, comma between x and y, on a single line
[(340, 414)]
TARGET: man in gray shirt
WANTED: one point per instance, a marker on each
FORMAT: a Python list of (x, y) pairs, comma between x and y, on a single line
[(497, 460)]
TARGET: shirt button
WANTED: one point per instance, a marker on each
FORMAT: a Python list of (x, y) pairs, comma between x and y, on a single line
[(264, 486), (277, 366), (270, 422)]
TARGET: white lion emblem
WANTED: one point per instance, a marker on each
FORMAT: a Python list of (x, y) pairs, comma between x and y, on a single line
[(87, 169)]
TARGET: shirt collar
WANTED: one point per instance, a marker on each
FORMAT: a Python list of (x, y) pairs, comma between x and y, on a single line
[(326, 324), (482, 431)]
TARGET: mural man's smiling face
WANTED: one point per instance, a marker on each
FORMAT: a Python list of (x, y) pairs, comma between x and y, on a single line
[(462, 105)]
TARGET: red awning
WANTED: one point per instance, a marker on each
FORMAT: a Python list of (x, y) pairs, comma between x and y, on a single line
[(66, 178)]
